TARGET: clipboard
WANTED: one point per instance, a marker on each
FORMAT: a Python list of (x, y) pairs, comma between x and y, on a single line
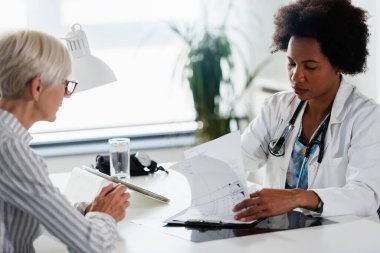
[(128, 184), (203, 233), (182, 219), (210, 223)]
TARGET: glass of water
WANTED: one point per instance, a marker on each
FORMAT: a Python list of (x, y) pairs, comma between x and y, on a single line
[(119, 157)]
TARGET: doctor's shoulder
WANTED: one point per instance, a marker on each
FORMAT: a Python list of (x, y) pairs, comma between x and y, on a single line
[(281, 100), (361, 104), (363, 111)]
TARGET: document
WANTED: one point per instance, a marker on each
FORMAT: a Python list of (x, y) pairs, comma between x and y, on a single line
[(227, 149), (215, 172)]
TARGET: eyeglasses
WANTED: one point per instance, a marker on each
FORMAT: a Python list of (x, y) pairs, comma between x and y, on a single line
[(70, 87)]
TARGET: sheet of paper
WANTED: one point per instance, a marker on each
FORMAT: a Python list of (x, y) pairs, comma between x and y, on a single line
[(81, 179), (226, 148), (215, 189)]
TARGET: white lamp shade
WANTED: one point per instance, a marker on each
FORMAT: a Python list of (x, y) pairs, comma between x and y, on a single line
[(88, 70), (91, 72)]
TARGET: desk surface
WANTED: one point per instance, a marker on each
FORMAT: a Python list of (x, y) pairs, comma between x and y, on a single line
[(350, 234)]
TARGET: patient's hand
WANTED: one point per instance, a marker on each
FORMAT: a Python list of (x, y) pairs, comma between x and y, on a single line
[(111, 200)]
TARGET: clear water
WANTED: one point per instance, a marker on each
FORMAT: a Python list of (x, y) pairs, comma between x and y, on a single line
[(120, 164)]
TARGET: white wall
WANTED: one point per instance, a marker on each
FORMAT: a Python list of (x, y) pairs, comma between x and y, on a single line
[(369, 82)]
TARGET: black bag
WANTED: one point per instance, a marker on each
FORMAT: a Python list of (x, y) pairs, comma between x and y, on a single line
[(140, 164)]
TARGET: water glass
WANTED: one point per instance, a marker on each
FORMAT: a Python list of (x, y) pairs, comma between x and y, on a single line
[(119, 157)]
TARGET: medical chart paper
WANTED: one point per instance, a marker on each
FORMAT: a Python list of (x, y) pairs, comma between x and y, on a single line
[(227, 149), (212, 170)]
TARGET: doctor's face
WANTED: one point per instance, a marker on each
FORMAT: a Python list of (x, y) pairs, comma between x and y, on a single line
[(310, 72)]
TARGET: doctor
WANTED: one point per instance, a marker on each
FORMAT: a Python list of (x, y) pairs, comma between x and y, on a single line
[(322, 154)]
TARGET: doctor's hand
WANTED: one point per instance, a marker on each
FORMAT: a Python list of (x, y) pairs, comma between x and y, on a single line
[(111, 200), (272, 202)]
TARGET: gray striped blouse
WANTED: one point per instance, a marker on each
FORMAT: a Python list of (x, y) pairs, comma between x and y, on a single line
[(28, 200)]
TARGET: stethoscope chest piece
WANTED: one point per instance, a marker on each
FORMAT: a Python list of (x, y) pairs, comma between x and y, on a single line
[(276, 148)]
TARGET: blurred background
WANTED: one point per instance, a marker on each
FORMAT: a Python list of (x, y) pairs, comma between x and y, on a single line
[(151, 100)]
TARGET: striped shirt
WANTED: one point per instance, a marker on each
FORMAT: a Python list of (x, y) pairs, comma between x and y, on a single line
[(28, 201)]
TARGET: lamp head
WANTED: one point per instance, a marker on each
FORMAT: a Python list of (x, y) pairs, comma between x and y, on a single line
[(77, 42), (88, 70)]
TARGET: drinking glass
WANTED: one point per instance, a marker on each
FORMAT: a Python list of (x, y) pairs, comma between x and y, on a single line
[(119, 157)]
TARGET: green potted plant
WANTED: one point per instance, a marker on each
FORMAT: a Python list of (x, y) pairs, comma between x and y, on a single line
[(210, 58)]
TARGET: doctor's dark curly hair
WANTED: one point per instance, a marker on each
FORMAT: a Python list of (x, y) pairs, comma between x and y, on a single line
[(338, 26)]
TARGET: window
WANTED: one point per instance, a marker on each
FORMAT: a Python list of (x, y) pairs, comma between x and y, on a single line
[(133, 38)]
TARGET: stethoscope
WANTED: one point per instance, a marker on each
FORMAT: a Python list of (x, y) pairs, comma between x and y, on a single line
[(277, 147)]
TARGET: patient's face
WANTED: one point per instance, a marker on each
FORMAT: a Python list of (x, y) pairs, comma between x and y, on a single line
[(50, 101)]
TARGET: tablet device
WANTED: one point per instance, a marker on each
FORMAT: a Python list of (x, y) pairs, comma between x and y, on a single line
[(128, 184)]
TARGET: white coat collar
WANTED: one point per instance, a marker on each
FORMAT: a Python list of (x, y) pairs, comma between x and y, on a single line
[(339, 108), (288, 112)]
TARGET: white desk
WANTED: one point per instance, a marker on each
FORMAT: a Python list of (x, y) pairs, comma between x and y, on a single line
[(351, 234)]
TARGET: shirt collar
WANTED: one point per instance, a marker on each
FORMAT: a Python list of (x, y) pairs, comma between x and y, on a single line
[(9, 122)]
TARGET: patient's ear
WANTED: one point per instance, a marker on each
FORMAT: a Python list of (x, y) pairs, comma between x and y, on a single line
[(36, 88)]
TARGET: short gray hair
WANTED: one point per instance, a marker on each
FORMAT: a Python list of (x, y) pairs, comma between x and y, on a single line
[(26, 54)]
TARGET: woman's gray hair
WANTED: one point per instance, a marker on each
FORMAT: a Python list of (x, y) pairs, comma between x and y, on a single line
[(27, 54)]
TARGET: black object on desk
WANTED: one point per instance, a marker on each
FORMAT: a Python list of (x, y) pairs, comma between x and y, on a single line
[(202, 233), (140, 164)]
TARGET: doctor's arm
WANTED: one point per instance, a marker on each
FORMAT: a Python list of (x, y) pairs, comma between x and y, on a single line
[(268, 202), (360, 193), (272, 202), (256, 137)]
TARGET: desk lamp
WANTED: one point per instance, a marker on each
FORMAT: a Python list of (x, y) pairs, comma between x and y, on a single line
[(88, 70)]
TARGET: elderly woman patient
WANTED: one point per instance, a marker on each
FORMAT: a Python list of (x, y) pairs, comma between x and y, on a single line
[(33, 71)]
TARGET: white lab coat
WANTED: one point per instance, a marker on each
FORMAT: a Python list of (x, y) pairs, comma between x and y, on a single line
[(348, 178)]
